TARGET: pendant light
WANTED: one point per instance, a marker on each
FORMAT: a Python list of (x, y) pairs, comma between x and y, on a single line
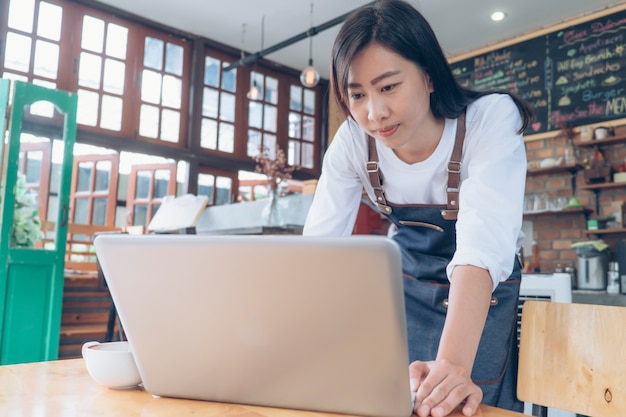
[(253, 94), (309, 77)]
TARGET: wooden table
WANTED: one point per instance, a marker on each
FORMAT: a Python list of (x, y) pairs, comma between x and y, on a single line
[(64, 389)]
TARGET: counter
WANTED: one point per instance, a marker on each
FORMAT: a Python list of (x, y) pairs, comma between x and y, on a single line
[(245, 218), (598, 297), (64, 389)]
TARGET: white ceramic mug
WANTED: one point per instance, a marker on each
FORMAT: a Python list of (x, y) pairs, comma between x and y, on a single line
[(111, 364), (601, 132)]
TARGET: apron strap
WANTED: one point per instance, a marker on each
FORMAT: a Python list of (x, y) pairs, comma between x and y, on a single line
[(454, 173), (375, 176)]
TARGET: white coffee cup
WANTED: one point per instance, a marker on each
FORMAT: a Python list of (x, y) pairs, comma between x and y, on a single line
[(601, 132), (111, 364)]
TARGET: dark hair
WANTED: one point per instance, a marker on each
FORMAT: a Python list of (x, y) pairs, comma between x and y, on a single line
[(398, 26)]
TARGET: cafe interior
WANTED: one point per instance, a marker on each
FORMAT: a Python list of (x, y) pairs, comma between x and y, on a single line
[(195, 119)]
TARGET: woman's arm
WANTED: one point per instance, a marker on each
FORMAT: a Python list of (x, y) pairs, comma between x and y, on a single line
[(338, 194)]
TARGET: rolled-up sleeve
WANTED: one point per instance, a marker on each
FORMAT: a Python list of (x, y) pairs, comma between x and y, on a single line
[(491, 196)]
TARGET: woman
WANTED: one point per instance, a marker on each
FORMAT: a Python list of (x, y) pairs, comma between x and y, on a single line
[(454, 168)]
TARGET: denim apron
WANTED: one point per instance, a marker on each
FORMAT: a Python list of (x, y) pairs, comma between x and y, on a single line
[(426, 236)]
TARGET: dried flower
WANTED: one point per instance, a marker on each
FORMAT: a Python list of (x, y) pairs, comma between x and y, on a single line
[(276, 170)]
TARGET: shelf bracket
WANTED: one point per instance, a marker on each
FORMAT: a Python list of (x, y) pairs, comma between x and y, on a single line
[(596, 193), (573, 181)]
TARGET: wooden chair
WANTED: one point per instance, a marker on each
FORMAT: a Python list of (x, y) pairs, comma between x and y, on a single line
[(88, 311), (573, 357), (80, 255)]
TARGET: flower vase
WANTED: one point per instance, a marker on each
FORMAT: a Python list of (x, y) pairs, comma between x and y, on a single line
[(272, 214)]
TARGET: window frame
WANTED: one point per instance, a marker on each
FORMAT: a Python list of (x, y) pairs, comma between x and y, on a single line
[(92, 194), (151, 202)]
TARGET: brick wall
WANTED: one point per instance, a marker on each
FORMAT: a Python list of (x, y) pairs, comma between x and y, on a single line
[(555, 232)]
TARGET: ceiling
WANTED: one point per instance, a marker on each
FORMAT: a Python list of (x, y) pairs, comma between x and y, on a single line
[(461, 25)]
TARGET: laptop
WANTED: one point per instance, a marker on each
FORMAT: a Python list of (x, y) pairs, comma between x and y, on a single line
[(310, 323)]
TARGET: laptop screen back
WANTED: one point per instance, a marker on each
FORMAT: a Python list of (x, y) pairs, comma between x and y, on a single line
[(284, 321)]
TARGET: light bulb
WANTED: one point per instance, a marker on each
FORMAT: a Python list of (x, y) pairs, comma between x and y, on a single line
[(498, 16), (253, 94), (309, 77)]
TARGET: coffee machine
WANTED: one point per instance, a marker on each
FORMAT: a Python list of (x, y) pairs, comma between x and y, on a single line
[(592, 268)]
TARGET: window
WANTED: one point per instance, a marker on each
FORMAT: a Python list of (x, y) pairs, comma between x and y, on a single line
[(302, 127), (218, 186), (32, 48), (164, 88), (217, 131), (262, 114), (93, 194), (102, 73), (34, 163), (147, 186), (133, 79)]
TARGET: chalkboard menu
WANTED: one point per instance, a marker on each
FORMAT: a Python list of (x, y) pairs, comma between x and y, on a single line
[(574, 76)]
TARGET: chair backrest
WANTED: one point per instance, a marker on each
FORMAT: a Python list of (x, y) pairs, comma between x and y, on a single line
[(573, 357), (80, 255)]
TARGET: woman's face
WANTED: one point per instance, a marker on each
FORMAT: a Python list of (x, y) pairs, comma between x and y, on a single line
[(389, 97)]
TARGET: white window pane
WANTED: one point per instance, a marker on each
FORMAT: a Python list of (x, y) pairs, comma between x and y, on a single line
[(170, 125), (227, 138), (293, 152), (307, 155), (269, 143), (174, 55), (111, 115), (308, 127), (227, 107), (89, 70), (270, 116), (43, 108), (271, 90), (209, 102), (254, 142), (309, 101), (117, 41), (229, 79), (15, 77), (151, 87), (208, 134), (172, 91), (153, 53), (21, 13), (87, 113), (93, 34), (294, 125), (46, 59), (49, 22), (255, 114), (17, 52), (295, 98), (211, 71), (205, 186), (224, 187), (114, 76), (149, 121)]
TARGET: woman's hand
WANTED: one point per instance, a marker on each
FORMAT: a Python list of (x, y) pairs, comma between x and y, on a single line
[(442, 386)]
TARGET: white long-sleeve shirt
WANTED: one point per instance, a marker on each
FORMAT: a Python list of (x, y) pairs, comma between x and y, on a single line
[(493, 176)]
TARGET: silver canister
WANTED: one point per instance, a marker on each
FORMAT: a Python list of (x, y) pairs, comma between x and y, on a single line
[(612, 286)]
